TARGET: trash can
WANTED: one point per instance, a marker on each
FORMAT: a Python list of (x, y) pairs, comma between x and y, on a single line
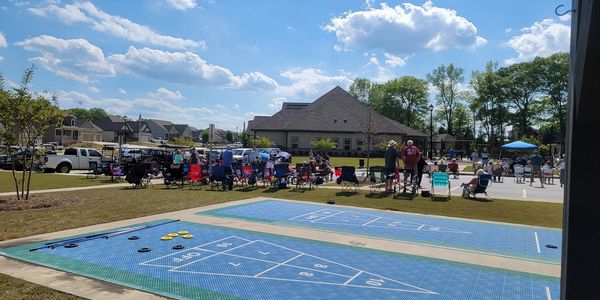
[(361, 163)]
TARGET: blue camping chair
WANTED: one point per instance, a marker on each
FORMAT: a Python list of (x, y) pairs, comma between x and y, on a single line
[(440, 179), (482, 184), (281, 174)]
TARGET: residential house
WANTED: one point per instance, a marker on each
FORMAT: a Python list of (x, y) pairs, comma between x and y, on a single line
[(113, 127), (196, 134), (336, 115), (140, 131), (72, 130), (179, 130), (158, 128)]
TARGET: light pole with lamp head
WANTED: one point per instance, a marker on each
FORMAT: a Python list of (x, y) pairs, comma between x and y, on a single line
[(430, 131)]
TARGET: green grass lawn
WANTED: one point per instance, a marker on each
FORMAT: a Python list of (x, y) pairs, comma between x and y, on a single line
[(343, 161), (41, 181), (89, 207)]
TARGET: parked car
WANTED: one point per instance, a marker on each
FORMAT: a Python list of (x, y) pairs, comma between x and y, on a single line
[(239, 153), (72, 159), (19, 156), (157, 140), (271, 151)]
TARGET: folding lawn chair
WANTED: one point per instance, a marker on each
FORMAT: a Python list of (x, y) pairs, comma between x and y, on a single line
[(519, 174), (194, 176), (347, 179), (440, 179), (94, 170), (548, 174), (377, 179), (116, 172), (217, 178), (137, 176), (173, 175), (304, 176), (482, 184), (405, 184), (281, 174), (527, 172)]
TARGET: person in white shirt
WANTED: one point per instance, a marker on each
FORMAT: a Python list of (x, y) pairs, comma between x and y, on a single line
[(561, 166)]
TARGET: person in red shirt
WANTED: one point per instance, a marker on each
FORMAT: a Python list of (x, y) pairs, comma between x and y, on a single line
[(410, 156)]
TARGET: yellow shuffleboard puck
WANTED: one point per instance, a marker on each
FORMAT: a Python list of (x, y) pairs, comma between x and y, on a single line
[(183, 232), (173, 234), (166, 238), (188, 236)]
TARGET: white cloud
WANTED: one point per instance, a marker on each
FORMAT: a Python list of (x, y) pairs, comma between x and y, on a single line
[(117, 26), (541, 39), (383, 75), (565, 18), (122, 91), (3, 43), (182, 4), (276, 103), (163, 93), (187, 68), (197, 116), (404, 29), (508, 30), (75, 59), (394, 61), (94, 89), (236, 106), (310, 82), (372, 61)]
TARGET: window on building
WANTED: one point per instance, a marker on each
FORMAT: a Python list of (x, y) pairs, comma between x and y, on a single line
[(337, 143), (345, 121), (359, 144), (334, 120), (72, 122), (347, 144), (318, 138), (75, 134), (58, 132), (295, 142)]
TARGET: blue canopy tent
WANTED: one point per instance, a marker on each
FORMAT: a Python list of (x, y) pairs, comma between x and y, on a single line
[(517, 145)]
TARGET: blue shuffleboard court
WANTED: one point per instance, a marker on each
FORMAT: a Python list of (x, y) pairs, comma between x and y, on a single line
[(523, 242), (225, 263)]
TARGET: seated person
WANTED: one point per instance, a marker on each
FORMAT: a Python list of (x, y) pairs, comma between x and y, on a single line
[(325, 170), (453, 167), (470, 186)]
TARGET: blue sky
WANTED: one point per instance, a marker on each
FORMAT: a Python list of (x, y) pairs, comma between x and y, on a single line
[(222, 62)]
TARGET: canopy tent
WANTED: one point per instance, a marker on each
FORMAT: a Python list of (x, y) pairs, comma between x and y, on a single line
[(517, 145)]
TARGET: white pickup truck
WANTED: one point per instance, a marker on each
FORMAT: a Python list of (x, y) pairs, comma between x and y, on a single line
[(72, 159)]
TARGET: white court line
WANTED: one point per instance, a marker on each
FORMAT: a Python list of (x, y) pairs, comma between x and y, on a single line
[(325, 217), (277, 265), (524, 193), (194, 248), (420, 227), (310, 213), (217, 253), (548, 295), (537, 241), (353, 277), (455, 188), (371, 221)]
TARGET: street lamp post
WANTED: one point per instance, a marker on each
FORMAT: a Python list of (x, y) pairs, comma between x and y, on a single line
[(430, 131)]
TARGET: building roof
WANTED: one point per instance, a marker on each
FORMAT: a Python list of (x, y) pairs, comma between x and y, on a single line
[(181, 128), (111, 123), (444, 137), (335, 111), (160, 123), (86, 123)]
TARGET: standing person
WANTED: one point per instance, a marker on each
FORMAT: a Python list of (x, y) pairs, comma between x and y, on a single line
[(391, 164), (410, 156), (474, 157), (420, 167), (561, 166), (452, 153), (194, 156), (252, 156), (485, 158), (227, 159), (536, 167), (177, 157)]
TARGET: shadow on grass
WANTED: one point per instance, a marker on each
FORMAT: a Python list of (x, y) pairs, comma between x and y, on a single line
[(377, 195), (249, 188), (346, 194), (480, 199)]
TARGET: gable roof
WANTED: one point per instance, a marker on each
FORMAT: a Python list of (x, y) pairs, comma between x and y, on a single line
[(112, 123), (160, 123), (86, 123), (335, 111)]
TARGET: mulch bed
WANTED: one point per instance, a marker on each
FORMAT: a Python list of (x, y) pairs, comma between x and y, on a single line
[(35, 201)]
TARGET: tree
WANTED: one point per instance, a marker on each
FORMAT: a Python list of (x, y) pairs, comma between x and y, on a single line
[(361, 89), (262, 142), (521, 88), (462, 122), (323, 144), (24, 118), (446, 80), (182, 141), (96, 113), (403, 100), (205, 136), (488, 102), (554, 71), (244, 139), (229, 136)]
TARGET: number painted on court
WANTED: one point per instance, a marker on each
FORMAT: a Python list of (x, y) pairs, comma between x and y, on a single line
[(307, 274), (375, 282), (186, 256)]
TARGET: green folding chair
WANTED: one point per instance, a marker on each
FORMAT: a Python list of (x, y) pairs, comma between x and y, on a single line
[(440, 179)]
